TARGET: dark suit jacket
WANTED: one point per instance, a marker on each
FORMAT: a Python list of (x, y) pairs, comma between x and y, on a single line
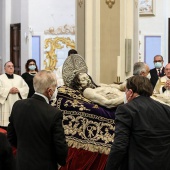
[(36, 130), (154, 76), (142, 131), (7, 161)]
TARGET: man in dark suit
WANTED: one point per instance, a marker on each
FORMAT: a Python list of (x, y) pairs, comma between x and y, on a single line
[(35, 128), (158, 71), (142, 130)]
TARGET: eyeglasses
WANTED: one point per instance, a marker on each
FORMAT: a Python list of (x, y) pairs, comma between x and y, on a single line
[(157, 61)]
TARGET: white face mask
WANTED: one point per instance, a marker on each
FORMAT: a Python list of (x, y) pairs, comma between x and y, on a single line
[(148, 76), (158, 64), (32, 67), (125, 98), (53, 97)]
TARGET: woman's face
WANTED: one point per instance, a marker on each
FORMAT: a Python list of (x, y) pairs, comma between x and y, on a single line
[(31, 63), (84, 80), (31, 66)]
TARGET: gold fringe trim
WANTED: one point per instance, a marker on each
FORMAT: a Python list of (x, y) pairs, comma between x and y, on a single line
[(89, 147)]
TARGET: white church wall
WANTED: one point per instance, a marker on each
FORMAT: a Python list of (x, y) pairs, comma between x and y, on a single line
[(15, 11), (9, 14), (129, 31), (5, 8), (92, 36), (39, 15), (42, 16), (167, 16), (156, 25), (25, 45), (51, 13)]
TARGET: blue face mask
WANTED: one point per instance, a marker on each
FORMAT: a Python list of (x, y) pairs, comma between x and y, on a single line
[(32, 67), (158, 64)]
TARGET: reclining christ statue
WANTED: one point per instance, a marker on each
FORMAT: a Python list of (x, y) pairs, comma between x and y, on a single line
[(104, 95)]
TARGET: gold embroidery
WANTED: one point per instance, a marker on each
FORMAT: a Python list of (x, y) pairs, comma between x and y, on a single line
[(89, 130), (74, 104), (96, 106), (84, 130), (72, 93)]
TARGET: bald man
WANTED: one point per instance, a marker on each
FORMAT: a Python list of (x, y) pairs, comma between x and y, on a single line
[(163, 83)]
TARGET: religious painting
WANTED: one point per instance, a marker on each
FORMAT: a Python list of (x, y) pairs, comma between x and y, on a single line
[(146, 7)]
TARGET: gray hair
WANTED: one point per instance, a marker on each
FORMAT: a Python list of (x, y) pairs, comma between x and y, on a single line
[(138, 68), (43, 80), (158, 56), (7, 63)]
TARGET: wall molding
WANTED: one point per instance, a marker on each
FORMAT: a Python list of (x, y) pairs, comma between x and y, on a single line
[(66, 29)]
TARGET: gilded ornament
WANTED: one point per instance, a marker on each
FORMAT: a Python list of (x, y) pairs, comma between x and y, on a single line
[(55, 43), (80, 2), (110, 3)]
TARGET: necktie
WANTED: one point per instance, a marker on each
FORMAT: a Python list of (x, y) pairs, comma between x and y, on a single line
[(159, 72)]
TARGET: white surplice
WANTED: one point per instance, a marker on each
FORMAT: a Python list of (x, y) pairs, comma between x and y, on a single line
[(60, 81), (7, 100)]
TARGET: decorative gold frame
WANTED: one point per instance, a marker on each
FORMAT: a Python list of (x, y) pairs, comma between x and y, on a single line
[(55, 43), (146, 7)]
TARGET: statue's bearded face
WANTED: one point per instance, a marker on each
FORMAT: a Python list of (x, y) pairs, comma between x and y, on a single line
[(84, 80)]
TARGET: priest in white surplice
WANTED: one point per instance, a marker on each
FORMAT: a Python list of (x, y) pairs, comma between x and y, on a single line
[(12, 88)]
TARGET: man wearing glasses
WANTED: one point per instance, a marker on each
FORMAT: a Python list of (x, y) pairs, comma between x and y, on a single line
[(158, 71)]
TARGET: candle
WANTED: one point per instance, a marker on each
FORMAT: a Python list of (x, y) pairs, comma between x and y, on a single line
[(118, 79), (118, 66)]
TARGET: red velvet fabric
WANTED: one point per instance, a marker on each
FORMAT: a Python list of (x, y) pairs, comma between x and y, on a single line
[(80, 159), (5, 132)]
